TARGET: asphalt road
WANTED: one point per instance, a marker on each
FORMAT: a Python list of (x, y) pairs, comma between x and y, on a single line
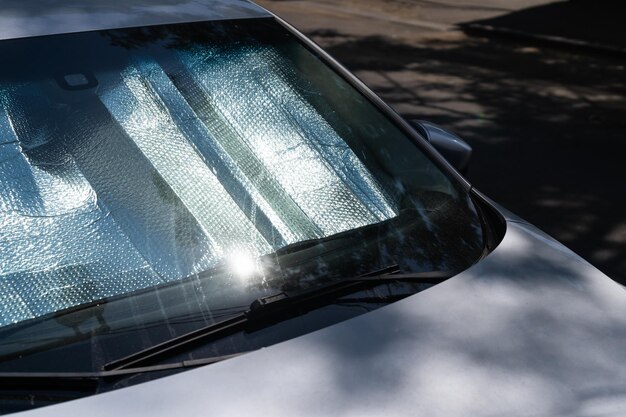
[(547, 122)]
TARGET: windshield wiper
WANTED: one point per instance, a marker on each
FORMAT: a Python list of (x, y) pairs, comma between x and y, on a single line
[(88, 381), (269, 310)]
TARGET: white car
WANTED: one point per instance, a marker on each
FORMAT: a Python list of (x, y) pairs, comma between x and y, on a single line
[(203, 214)]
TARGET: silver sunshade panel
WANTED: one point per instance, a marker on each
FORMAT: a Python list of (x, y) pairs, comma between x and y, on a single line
[(250, 183), (141, 112), (60, 247), (251, 89), (171, 169)]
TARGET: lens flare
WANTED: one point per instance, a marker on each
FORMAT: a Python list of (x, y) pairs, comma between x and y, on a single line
[(242, 264)]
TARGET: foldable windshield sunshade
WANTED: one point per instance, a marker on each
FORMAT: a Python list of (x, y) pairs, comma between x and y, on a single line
[(161, 172)]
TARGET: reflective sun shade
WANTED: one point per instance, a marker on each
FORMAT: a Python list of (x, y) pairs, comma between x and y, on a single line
[(165, 169)]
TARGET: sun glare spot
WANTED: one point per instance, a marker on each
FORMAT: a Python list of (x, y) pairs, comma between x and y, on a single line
[(242, 264)]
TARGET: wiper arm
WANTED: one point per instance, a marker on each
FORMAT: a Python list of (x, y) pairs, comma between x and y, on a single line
[(268, 310), (264, 309)]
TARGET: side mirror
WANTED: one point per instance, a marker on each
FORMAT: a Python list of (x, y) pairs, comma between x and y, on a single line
[(456, 151)]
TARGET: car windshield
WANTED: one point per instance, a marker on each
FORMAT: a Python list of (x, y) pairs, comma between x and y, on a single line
[(154, 180)]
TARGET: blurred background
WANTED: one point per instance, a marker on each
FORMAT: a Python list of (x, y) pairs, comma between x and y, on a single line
[(538, 88)]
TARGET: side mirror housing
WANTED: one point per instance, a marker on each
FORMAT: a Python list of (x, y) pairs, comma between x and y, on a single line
[(454, 149)]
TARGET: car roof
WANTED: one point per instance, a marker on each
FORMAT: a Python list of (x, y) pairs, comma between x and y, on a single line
[(27, 18)]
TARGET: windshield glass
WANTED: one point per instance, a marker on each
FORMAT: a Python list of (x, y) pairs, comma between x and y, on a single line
[(154, 180)]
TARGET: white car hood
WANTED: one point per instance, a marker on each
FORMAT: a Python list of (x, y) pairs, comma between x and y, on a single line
[(532, 330)]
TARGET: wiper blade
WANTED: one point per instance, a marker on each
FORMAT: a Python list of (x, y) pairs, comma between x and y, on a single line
[(268, 310), (14, 381), (88, 381)]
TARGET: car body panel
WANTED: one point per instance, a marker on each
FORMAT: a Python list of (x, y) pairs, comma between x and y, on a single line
[(531, 330), (19, 19)]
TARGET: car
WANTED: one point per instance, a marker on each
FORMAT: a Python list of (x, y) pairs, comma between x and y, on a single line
[(203, 213)]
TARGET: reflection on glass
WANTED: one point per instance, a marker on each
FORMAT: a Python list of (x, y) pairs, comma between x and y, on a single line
[(214, 149), (243, 264)]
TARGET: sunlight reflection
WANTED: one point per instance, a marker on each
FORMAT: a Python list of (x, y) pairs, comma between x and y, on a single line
[(242, 264)]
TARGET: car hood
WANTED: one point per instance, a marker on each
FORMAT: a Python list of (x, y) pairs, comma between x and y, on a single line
[(531, 330)]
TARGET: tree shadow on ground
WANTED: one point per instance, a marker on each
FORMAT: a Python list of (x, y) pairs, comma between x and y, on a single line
[(590, 21), (548, 127)]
